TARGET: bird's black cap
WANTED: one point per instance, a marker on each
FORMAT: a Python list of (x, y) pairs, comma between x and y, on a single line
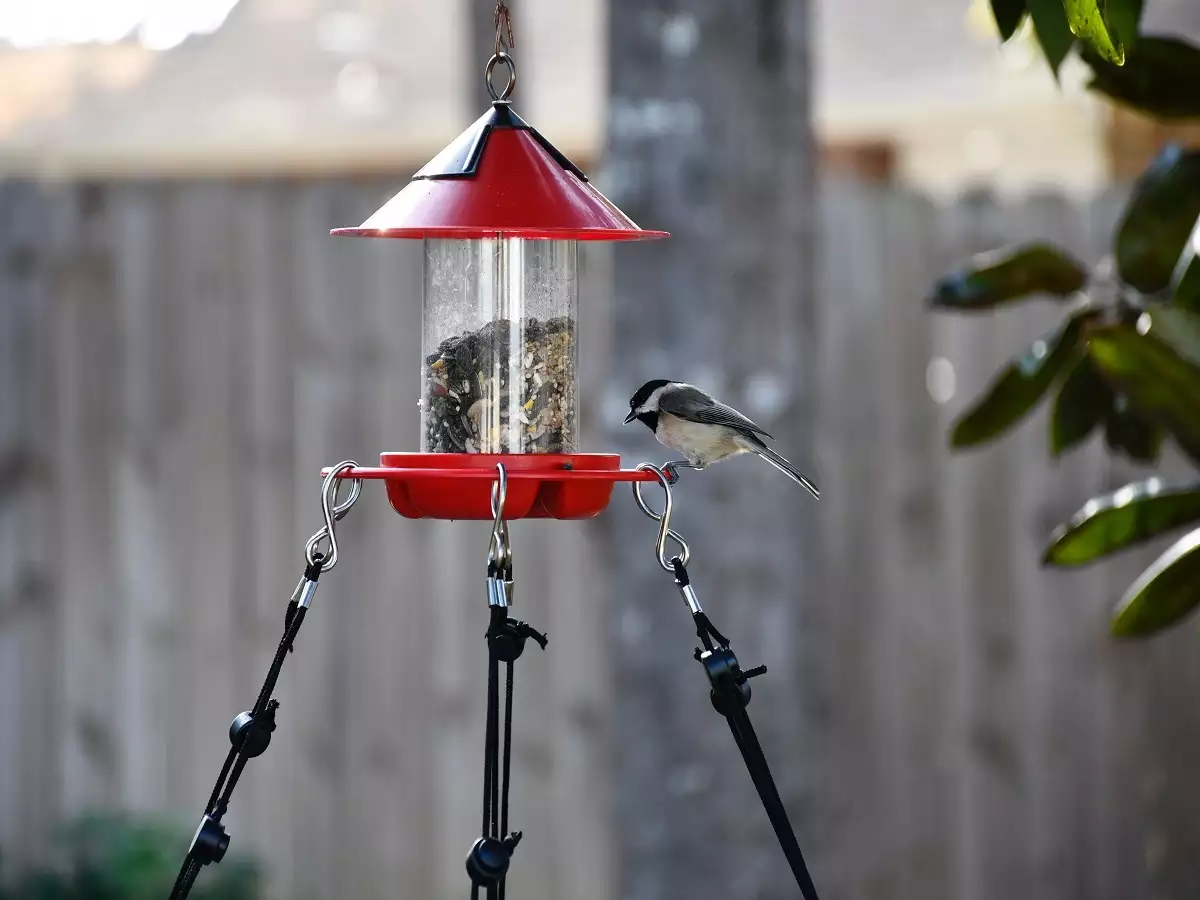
[(642, 395)]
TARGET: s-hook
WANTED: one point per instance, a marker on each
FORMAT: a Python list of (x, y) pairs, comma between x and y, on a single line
[(663, 519), (729, 688), (488, 860), (500, 561), (250, 733)]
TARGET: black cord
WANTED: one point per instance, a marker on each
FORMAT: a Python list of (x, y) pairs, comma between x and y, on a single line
[(223, 805), (487, 863), (187, 878), (760, 773), (489, 742), (730, 695), (249, 735), (508, 706), (493, 828), (216, 793)]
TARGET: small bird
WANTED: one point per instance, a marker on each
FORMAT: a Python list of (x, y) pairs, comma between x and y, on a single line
[(703, 429)]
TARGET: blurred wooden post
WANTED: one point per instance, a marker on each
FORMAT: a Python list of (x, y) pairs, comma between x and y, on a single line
[(710, 138)]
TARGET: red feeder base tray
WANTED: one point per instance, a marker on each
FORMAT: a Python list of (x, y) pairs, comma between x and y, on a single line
[(459, 485)]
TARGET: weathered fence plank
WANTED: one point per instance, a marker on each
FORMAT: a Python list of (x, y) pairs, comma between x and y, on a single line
[(86, 350), (274, 513), (29, 614), (148, 635)]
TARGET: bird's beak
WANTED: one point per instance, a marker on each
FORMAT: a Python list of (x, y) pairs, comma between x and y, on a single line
[(629, 418)]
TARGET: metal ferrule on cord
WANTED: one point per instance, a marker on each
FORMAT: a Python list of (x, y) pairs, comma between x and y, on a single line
[(304, 593), (689, 597)]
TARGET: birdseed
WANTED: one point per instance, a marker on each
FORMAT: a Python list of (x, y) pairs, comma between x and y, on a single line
[(490, 391)]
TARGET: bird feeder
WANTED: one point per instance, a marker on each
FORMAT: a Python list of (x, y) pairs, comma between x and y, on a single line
[(501, 213)]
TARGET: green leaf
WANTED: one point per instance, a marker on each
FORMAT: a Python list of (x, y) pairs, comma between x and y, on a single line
[(1126, 517), (1187, 291), (1162, 595), (1156, 364), (1082, 403), (1053, 31), (1185, 281), (1159, 77), (1009, 14), (1177, 327), (1019, 386), (1159, 219), (1124, 17), (1009, 274), (1129, 433), (1087, 23)]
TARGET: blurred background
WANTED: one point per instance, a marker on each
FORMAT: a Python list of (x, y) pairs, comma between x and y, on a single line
[(183, 346)]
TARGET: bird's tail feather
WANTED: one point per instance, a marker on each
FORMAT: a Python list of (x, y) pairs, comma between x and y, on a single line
[(785, 467)]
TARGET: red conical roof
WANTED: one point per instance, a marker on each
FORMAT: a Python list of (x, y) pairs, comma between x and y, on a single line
[(500, 176)]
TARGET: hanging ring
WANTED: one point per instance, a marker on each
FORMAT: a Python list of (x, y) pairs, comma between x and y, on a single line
[(663, 520), (500, 57), (332, 512)]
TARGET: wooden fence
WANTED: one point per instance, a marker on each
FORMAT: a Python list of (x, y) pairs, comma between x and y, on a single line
[(178, 360)]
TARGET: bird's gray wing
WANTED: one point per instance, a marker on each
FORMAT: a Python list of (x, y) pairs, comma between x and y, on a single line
[(694, 405)]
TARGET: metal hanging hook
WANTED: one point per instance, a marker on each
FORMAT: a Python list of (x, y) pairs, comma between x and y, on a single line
[(333, 512), (504, 33), (501, 54), (500, 555), (663, 519), (498, 546)]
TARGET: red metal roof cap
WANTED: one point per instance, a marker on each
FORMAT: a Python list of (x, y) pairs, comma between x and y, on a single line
[(500, 176)]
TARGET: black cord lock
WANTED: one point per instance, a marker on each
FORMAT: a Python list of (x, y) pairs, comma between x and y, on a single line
[(487, 863), (252, 736), (210, 843), (730, 690), (507, 636)]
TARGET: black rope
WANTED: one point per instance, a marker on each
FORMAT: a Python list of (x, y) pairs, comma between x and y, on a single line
[(508, 706), (768, 793), (187, 877), (223, 805), (487, 863), (216, 793), (489, 742), (730, 695), (249, 735)]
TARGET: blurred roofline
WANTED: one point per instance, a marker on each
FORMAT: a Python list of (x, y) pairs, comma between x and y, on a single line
[(325, 155)]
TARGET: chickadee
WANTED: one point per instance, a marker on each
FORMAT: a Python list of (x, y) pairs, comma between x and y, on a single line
[(704, 430)]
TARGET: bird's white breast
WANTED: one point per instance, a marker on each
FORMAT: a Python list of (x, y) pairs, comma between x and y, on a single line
[(701, 444)]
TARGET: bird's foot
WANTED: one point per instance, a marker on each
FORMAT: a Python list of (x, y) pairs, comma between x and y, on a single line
[(671, 470)]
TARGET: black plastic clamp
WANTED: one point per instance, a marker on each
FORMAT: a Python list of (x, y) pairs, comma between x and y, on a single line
[(251, 735), (487, 863), (729, 688), (210, 843), (507, 636)]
